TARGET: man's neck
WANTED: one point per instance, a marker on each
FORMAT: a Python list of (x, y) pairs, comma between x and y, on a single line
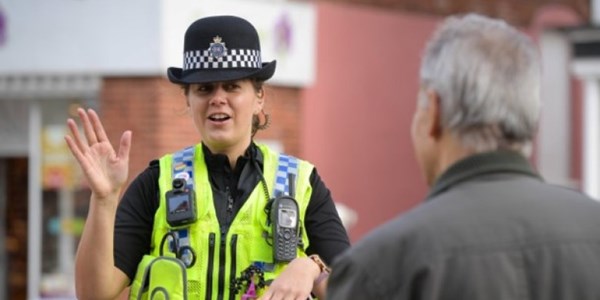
[(450, 151)]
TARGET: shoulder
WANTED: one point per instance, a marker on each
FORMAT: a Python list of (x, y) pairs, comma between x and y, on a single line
[(381, 246), (375, 265), (416, 233), (149, 174)]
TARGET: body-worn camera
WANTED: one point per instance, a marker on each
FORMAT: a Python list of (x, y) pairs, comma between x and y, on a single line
[(181, 204), (284, 221)]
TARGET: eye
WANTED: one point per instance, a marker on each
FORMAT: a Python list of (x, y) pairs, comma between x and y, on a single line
[(231, 86), (205, 88)]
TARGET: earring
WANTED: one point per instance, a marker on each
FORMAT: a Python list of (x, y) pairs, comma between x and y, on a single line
[(267, 122), (256, 125)]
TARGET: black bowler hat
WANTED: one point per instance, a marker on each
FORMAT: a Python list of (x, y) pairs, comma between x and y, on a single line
[(221, 48)]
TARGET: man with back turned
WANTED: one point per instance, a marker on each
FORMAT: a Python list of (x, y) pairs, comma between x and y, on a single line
[(490, 227)]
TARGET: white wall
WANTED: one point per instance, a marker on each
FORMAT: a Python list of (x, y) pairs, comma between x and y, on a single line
[(80, 36)]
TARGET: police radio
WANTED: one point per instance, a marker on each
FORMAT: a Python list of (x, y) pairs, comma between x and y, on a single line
[(181, 204), (284, 222), (284, 219)]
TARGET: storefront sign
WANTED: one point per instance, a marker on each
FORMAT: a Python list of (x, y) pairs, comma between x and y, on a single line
[(58, 167)]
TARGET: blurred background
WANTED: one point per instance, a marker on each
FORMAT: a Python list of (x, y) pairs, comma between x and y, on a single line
[(342, 97)]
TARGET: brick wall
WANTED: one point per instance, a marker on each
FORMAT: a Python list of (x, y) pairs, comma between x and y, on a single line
[(129, 104), (154, 110), (284, 107)]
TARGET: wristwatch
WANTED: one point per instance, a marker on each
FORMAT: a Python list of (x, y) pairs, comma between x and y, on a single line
[(325, 270)]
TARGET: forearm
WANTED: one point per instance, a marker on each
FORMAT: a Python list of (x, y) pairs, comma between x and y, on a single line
[(95, 273)]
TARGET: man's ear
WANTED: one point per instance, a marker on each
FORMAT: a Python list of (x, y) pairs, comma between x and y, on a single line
[(434, 115)]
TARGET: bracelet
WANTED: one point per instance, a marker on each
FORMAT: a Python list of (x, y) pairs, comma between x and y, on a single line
[(322, 266), (325, 270)]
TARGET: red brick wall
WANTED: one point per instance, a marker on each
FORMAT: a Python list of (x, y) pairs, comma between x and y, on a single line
[(154, 110), (130, 104), (283, 104)]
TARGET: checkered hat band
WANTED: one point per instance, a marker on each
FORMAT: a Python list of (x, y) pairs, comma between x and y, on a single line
[(233, 58)]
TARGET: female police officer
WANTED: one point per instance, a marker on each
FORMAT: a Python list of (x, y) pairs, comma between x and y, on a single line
[(202, 221)]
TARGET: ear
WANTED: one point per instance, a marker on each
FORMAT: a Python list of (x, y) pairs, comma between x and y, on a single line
[(434, 116), (260, 101)]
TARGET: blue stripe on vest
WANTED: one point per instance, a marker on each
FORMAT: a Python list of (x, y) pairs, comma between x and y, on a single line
[(287, 165), (183, 167)]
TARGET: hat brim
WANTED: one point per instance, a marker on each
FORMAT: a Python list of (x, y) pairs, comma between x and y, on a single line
[(213, 75)]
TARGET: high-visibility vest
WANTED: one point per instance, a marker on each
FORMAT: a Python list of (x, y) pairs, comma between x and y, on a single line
[(220, 257)]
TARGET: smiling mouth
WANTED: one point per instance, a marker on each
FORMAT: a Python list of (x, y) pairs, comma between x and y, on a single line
[(219, 117)]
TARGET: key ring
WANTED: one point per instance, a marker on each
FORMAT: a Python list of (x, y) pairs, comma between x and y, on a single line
[(184, 253)]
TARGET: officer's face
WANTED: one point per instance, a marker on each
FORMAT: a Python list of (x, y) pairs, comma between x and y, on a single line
[(222, 113)]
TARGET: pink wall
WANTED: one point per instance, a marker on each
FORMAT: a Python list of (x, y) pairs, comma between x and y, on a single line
[(357, 114)]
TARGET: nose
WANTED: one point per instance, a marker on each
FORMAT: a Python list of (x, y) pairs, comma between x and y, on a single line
[(219, 96)]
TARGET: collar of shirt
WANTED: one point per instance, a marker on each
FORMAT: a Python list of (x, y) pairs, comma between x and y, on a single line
[(501, 161), (220, 172)]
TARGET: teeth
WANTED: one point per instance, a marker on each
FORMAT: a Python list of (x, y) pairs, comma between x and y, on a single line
[(219, 116)]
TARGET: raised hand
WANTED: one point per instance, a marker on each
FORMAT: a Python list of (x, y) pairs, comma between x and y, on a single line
[(105, 170)]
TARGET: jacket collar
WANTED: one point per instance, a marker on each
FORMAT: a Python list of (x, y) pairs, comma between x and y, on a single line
[(502, 161)]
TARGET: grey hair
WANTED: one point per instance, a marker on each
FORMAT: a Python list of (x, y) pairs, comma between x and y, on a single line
[(487, 75)]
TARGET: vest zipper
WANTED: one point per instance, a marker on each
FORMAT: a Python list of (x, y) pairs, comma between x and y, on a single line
[(211, 262), (222, 251), (229, 206), (223, 247), (232, 270)]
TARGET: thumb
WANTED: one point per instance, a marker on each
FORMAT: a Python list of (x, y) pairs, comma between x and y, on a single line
[(125, 145)]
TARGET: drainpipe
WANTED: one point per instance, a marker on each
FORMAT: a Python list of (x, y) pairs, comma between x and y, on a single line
[(591, 114)]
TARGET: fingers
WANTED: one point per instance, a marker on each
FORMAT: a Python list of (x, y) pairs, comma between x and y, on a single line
[(74, 148), (88, 129), (76, 141), (97, 125), (94, 133), (125, 145)]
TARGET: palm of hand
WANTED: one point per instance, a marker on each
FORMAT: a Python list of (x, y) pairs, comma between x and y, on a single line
[(105, 171)]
